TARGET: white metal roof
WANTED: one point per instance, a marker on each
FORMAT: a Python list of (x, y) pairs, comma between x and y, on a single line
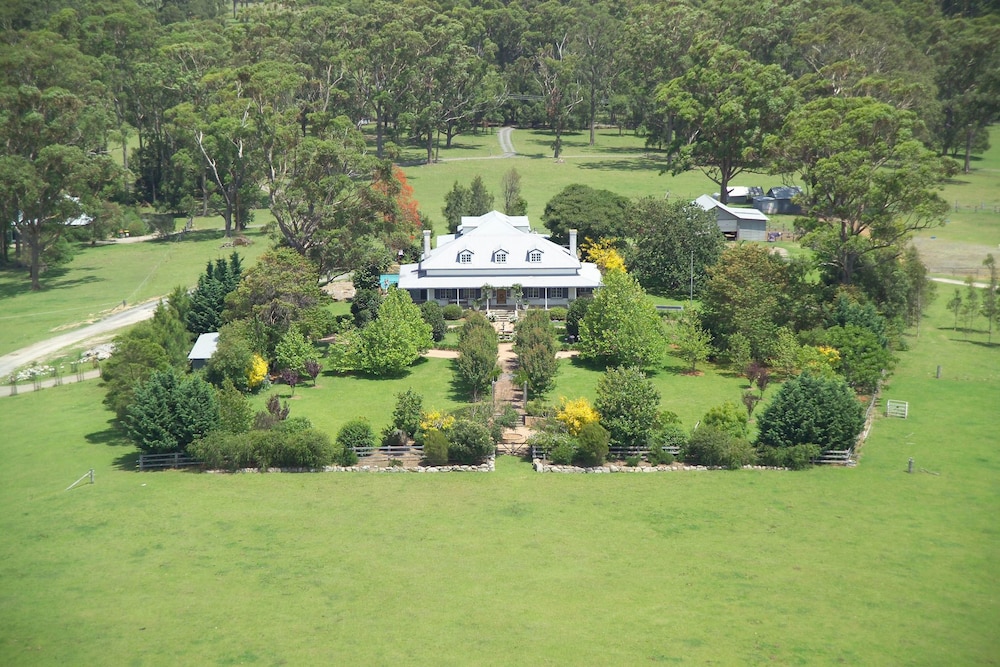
[(205, 346)]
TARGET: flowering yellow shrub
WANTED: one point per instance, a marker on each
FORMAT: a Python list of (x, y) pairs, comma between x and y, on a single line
[(435, 419), (257, 371), (603, 254), (822, 360), (576, 414)]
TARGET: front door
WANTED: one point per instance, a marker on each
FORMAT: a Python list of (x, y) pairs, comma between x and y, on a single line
[(501, 297)]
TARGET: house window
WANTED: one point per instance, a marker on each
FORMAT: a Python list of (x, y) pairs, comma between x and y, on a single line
[(448, 294), (468, 293), (584, 291), (535, 256), (500, 257), (532, 292), (558, 292), (465, 257)]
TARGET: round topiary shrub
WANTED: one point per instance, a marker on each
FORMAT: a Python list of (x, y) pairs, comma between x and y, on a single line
[(557, 314), (452, 312)]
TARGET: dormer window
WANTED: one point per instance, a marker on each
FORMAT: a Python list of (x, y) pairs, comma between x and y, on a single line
[(465, 257), (500, 257), (535, 256)]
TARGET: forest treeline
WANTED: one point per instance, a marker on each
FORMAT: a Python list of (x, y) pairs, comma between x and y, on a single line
[(299, 107)]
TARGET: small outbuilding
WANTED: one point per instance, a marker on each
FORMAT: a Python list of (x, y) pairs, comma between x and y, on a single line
[(779, 200), (736, 224), (203, 349)]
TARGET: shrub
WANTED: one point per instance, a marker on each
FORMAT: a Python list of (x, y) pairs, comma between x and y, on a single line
[(657, 455), (593, 445), (357, 435), (452, 312), (796, 457), (632, 461), (168, 412), (432, 314), (576, 414), (811, 409), (346, 456), (628, 403), (406, 414), (435, 447), (710, 446), (557, 446), (563, 452), (728, 417), (308, 448), (470, 442), (574, 314), (558, 314), (293, 445), (509, 418), (539, 407)]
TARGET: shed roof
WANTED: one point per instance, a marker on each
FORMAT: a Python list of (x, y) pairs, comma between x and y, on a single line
[(205, 346)]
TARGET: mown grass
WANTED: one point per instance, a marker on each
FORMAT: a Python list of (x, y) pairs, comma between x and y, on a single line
[(620, 164), (338, 398), (98, 279), (865, 566)]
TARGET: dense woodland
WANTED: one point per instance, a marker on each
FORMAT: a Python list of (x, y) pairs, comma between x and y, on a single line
[(299, 107)]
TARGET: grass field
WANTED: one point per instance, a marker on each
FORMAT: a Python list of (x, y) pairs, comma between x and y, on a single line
[(99, 279), (860, 566), (622, 165)]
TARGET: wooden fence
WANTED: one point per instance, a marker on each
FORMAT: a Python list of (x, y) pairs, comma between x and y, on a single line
[(391, 451), (162, 461)]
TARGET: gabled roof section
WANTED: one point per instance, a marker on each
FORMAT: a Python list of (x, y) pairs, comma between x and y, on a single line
[(708, 203), (492, 234), (470, 222)]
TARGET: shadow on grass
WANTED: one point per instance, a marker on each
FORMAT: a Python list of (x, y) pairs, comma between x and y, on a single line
[(110, 436), (635, 164), (127, 462), (15, 281), (459, 390), (194, 235), (980, 343)]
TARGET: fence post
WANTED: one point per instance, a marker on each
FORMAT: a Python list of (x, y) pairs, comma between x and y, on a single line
[(909, 466)]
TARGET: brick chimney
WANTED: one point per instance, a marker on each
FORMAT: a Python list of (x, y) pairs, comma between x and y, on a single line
[(427, 241), (572, 242)]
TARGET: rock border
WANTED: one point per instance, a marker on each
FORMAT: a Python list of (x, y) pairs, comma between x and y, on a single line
[(541, 466), (489, 466)]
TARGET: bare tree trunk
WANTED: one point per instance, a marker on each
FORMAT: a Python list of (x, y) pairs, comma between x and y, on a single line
[(968, 149)]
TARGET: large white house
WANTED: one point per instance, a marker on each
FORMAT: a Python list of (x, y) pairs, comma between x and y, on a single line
[(499, 252)]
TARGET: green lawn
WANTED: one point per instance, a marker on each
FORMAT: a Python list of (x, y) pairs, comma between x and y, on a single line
[(860, 566), (619, 164), (98, 279)]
